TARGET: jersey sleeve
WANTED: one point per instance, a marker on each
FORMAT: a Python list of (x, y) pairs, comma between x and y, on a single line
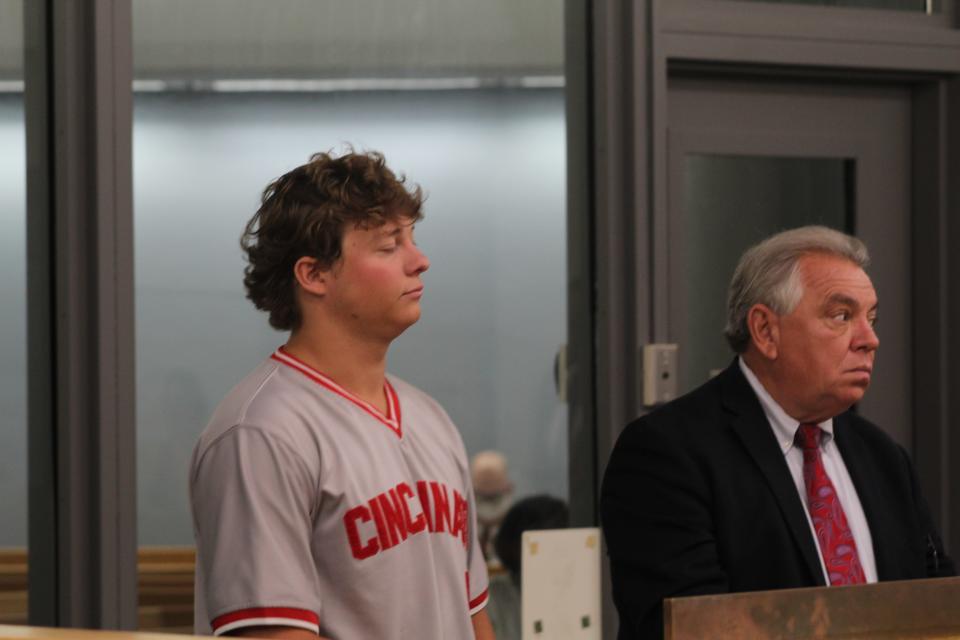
[(252, 499), (477, 580)]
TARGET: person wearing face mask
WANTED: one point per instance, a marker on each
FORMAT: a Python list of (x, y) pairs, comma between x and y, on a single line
[(494, 495)]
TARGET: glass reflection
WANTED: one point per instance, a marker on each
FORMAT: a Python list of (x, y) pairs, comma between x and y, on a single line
[(13, 337), (731, 203), (467, 99)]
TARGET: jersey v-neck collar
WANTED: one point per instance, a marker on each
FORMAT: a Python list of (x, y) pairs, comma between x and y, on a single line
[(390, 420)]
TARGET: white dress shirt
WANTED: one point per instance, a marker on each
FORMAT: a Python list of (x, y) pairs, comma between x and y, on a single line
[(785, 430)]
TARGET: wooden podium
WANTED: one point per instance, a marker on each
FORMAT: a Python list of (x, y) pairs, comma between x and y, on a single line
[(909, 609)]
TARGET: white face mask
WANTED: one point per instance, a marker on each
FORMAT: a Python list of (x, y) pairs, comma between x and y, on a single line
[(491, 509)]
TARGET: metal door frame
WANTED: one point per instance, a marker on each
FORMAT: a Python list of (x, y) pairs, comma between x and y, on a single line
[(620, 54), (833, 142)]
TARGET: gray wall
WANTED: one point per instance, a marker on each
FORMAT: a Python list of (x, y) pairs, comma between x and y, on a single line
[(186, 39), (493, 164), (491, 160), (11, 39)]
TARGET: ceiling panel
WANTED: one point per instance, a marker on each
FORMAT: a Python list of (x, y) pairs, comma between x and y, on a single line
[(208, 39)]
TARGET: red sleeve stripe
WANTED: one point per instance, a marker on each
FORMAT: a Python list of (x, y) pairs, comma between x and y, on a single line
[(478, 603), (266, 616)]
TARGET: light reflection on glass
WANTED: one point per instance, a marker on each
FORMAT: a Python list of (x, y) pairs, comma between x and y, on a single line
[(13, 304), (466, 99)]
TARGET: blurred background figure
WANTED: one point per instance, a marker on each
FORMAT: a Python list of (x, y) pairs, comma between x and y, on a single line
[(535, 512), (494, 493)]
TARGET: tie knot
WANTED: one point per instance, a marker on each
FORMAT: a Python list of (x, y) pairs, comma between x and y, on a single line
[(808, 436)]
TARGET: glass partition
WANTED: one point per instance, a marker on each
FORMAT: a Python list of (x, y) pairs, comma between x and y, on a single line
[(13, 328), (731, 203), (466, 99)]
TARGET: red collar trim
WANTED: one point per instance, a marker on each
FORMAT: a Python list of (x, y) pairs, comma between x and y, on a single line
[(391, 419)]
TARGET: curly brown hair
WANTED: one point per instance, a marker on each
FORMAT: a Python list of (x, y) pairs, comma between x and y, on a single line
[(305, 213)]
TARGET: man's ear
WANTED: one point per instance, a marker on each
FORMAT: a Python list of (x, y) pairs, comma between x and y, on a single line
[(310, 277), (764, 325)]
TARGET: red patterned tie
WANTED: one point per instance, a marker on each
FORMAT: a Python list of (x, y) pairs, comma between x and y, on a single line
[(837, 545)]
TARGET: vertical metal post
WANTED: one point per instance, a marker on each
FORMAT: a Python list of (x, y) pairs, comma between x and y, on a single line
[(42, 495), (931, 277), (951, 472), (607, 63), (580, 271), (81, 312)]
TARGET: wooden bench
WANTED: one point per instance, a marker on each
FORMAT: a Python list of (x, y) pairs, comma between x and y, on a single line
[(164, 586), (13, 586)]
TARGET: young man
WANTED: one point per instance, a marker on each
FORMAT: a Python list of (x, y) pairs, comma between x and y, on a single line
[(328, 497)]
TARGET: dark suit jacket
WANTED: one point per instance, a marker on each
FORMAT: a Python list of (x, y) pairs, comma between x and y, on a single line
[(697, 498)]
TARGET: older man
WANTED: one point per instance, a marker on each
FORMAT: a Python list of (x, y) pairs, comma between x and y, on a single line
[(762, 478)]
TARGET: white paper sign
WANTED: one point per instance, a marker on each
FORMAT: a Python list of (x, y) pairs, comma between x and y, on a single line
[(560, 584)]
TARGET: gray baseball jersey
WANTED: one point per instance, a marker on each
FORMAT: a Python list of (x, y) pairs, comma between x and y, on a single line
[(313, 509)]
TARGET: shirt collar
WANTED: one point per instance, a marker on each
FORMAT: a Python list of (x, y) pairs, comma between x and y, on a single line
[(784, 427)]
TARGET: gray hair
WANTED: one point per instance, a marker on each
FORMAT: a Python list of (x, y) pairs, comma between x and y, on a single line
[(769, 273)]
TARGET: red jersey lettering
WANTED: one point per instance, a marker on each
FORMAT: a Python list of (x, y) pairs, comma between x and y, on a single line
[(393, 516), (441, 507), (404, 492), (423, 491), (350, 521), (459, 517), (382, 531)]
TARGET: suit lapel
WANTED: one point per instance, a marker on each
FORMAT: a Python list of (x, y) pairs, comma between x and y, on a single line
[(751, 426), (865, 477)]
